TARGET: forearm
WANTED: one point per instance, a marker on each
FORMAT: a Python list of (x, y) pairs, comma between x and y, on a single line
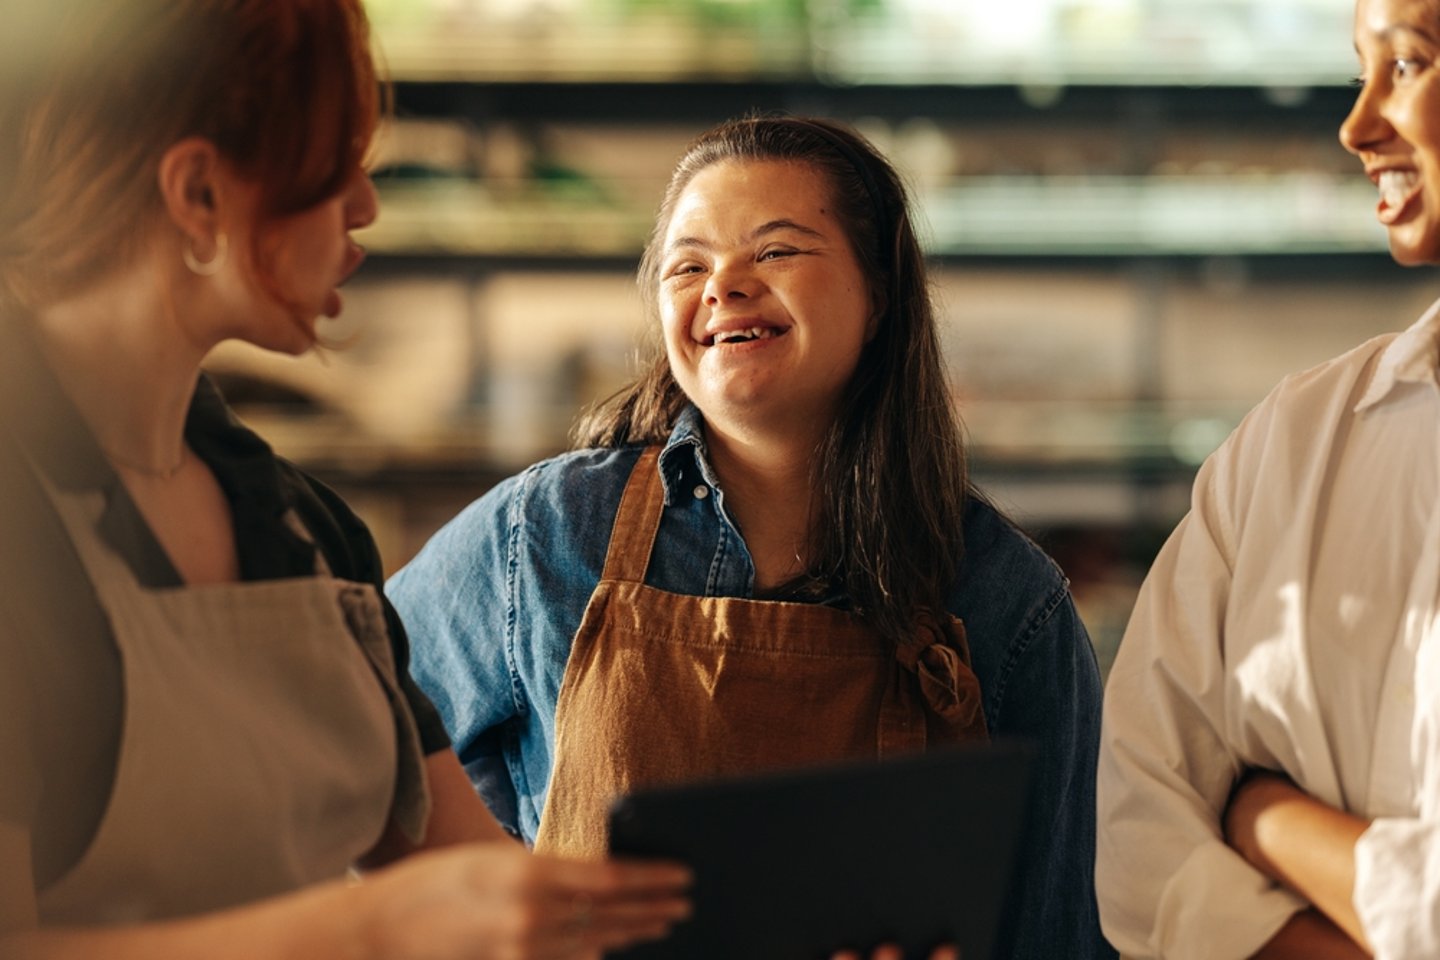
[(1309, 935), (1300, 842)]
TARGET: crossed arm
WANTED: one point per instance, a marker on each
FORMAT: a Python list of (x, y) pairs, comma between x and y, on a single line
[(1309, 847)]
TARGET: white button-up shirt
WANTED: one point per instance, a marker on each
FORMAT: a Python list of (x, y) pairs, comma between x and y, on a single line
[(1288, 623)]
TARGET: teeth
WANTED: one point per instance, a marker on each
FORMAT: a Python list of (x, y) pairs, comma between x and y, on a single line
[(1396, 185), (744, 336)]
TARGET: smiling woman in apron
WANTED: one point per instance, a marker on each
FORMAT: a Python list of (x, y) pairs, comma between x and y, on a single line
[(209, 743), (765, 553)]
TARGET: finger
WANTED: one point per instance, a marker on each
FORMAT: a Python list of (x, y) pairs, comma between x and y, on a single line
[(947, 952), (615, 877), (627, 921), (583, 912), (582, 922), (640, 910), (887, 951)]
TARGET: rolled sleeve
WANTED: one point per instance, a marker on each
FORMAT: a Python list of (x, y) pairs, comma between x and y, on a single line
[(1397, 887)]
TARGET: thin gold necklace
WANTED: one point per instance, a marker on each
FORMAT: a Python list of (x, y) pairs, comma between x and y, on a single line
[(144, 470)]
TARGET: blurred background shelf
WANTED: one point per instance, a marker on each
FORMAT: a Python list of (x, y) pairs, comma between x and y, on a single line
[(1137, 212), (1116, 42), (1242, 214)]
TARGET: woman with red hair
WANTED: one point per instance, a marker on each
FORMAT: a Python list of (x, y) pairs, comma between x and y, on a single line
[(206, 723)]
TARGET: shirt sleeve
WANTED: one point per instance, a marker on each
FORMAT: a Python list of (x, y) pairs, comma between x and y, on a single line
[(1167, 883), (454, 600), (1397, 887)]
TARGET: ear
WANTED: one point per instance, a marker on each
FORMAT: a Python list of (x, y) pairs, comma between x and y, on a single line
[(189, 179)]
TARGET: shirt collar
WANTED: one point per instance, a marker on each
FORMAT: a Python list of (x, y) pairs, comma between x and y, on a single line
[(1412, 357), (685, 455)]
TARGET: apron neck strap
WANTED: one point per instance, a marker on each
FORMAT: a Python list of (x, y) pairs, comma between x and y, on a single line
[(637, 521)]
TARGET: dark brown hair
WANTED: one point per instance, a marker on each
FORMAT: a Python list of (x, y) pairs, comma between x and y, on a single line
[(890, 474), (93, 92)]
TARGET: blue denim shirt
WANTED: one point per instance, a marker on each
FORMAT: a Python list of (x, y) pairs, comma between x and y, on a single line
[(493, 602)]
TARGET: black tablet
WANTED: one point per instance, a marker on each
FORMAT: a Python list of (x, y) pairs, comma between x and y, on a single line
[(792, 866)]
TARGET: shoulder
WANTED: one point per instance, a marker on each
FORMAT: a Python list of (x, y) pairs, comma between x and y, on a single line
[(1339, 382), (567, 501), (1326, 392), (1287, 435), (1004, 573), (578, 481), (1016, 606), (573, 495)]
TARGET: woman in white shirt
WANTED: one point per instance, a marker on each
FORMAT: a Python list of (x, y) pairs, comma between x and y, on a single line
[(1269, 777)]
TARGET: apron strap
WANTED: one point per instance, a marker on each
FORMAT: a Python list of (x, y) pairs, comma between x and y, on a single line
[(637, 521), (80, 514)]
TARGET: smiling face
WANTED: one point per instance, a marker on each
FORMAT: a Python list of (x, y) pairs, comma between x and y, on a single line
[(1394, 127), (764, 305)]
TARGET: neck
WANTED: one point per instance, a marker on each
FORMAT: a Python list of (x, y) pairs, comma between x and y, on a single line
[(121, 358), (769, 494)]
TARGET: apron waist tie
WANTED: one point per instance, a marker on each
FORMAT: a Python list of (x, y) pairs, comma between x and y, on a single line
[(935, 698)]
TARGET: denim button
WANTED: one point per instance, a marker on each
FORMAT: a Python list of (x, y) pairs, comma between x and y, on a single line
[(701, 492)]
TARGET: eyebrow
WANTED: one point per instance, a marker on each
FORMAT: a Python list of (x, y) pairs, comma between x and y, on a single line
[(1388, 33), (772, 226)]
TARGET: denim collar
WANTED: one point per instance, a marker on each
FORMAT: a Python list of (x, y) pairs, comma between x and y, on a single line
[(685, 460)]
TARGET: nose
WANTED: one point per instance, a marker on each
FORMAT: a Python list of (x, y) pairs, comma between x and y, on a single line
[(1365, 125), (729, 281), (362, 205)]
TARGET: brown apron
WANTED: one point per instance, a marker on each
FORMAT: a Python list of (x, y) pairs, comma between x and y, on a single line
[(266, 742), (662, 687)]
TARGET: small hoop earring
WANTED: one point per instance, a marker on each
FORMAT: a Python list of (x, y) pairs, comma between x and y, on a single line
[(207, 268)]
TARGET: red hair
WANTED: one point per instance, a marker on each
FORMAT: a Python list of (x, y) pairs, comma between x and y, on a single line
[(285, 89)]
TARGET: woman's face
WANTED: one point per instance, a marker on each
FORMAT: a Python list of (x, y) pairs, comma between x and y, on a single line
[(306, 257), (764, 305), (1394, 127)]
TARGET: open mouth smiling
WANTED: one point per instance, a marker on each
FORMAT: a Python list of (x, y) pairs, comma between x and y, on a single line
[(743, 335), (1398, 187)]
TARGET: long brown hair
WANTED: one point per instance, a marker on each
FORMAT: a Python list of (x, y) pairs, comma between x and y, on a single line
[(890, 473), (92, 93)]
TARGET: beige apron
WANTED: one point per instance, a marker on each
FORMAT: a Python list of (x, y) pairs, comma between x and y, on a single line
[(662, 687), (265, 743)]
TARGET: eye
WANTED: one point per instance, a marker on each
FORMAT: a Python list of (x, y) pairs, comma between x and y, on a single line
[(775, 253), (681, 269), (1405, 68)]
